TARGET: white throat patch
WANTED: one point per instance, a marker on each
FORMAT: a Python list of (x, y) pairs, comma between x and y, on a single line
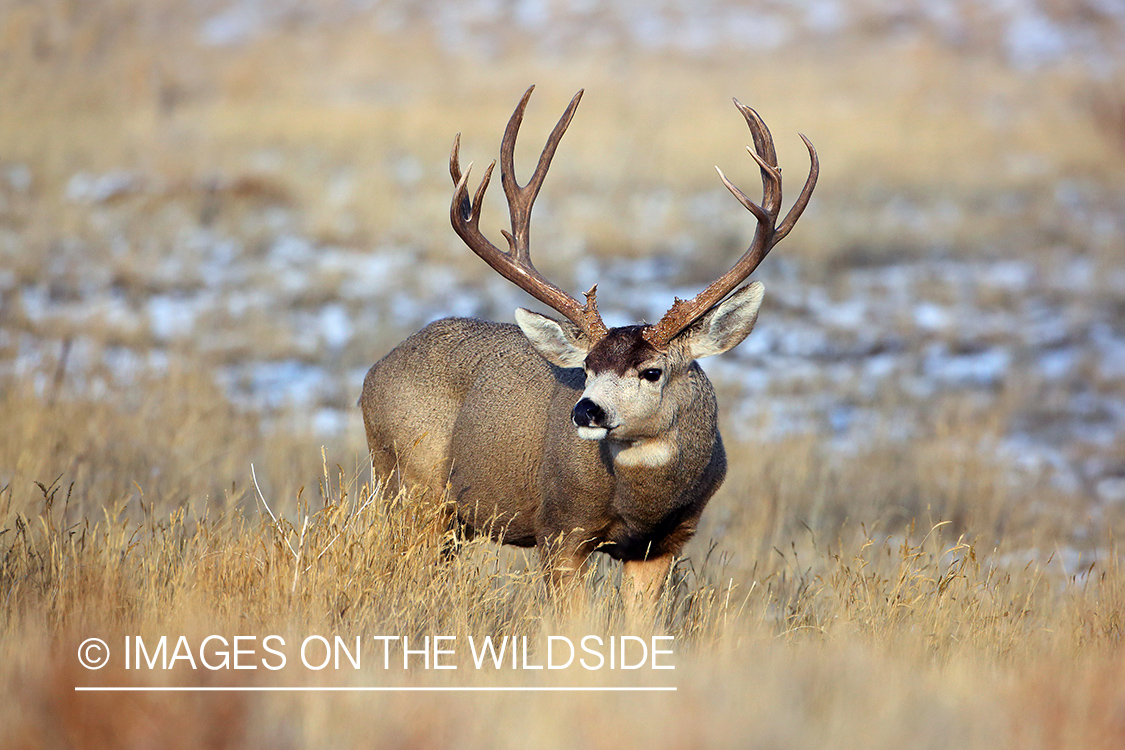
[(653, 453)]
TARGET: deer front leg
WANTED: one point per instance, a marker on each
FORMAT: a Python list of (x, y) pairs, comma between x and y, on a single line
[(641, 583)]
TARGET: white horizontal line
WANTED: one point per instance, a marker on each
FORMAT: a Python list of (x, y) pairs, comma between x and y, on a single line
[(363, 689)]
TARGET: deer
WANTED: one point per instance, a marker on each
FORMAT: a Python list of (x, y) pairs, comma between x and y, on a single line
[(561, 434)]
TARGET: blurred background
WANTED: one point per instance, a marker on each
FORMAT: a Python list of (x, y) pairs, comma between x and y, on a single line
[(257, 192)]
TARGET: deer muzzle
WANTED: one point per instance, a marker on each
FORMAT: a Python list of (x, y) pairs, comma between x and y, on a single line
[(590, 419)]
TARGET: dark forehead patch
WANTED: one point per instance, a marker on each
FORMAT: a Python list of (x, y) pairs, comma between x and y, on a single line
[(621, 349)]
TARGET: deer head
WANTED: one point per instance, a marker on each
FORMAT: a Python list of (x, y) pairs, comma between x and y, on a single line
[(632, 371)]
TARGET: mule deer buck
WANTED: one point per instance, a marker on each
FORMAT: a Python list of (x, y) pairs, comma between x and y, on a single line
[(562, 434)]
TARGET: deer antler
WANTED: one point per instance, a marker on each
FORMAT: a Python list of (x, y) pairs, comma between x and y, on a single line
[(683, 313), (515, 264)]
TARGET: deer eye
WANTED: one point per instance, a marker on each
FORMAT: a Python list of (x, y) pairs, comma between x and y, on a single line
[(652, 374)]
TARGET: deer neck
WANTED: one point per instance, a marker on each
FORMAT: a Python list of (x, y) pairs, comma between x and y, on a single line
[(649, 478)]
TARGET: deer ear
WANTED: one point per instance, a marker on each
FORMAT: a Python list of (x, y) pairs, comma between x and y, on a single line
[(726, 324), (561, 344)]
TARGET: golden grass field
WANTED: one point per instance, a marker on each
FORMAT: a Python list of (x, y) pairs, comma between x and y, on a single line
[(895, 592)]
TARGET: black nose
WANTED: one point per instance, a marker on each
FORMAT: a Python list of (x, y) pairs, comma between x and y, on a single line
[(586, 414)]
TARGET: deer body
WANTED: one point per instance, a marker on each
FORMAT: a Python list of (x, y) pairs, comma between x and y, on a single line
[(516, 466), (563, 434)]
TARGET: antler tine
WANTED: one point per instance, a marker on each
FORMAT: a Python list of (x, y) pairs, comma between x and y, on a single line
[(455, 159), (515, 265), (766, 156), (802, 201), (768, 233), (469, 210)]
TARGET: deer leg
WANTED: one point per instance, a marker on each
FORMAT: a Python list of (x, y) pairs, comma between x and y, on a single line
[(641, 582)]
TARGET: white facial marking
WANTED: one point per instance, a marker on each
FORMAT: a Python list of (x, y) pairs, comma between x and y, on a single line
[(592, 433)]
